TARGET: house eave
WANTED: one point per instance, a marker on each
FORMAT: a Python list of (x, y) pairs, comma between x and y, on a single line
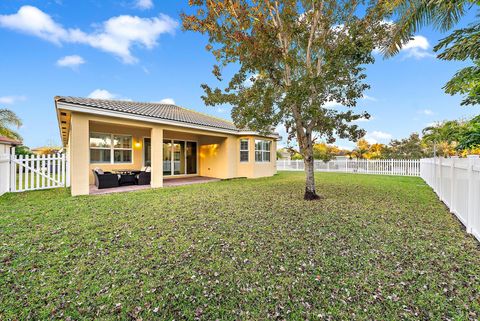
[(123, 115)]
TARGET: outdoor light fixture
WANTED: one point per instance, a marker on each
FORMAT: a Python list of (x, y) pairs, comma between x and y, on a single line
[(138, 144)]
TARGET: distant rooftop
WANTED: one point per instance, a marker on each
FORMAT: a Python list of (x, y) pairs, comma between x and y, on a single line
[(8, 140)]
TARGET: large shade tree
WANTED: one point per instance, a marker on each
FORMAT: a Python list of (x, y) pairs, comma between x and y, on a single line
[(294, 59)]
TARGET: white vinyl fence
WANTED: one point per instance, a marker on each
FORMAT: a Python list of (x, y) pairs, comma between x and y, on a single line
[(4, 172), (402, 167), (35, 172), (456, 181)]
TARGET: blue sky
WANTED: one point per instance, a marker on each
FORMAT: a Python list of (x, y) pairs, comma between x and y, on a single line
[(135, 49)]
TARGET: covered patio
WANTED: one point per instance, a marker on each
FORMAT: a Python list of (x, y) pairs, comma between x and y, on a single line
[(182, 158), (170, 182)]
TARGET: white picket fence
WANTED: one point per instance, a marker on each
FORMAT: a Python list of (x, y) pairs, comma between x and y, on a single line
[(36, 172), (456, 181), (402, 167)]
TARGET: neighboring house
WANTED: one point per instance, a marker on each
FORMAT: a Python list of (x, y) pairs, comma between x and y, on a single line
[(6, 145), (174, 141), (284, 154), (45, 150)]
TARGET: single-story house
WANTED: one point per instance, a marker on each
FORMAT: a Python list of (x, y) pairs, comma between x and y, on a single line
[(173, 141), (45, 150)]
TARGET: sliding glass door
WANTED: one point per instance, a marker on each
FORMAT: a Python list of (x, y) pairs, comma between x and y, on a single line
[(179, 157), (147, 152), (191, 157), (167, 157)]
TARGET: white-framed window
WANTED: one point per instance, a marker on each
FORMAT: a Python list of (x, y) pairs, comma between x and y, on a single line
[(244, 150), (110, 148), (122, 149), (262, 150), (100, 148)]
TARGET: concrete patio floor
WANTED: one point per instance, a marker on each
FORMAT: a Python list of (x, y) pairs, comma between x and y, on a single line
[(169, 182)]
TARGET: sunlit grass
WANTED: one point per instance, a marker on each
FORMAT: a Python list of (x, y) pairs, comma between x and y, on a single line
[(376, 247)]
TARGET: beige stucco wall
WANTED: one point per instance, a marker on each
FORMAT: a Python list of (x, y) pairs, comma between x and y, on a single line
[(253, 169), (218, 153), (213, 157), (79, 154)]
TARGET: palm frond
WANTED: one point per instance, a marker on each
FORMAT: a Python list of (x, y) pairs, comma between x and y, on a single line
[(7, 132), (414, 14), (8, 117)]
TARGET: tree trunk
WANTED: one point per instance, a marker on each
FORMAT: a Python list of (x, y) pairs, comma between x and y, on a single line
[(310, 193)]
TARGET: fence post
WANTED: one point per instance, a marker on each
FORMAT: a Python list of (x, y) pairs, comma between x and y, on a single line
[(452, 184), (346, 165), (440, 175), (67, 171), (470, 195), (13, 170), (296, 163)]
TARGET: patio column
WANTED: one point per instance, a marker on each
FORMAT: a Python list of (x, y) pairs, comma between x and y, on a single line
[(79, 154), (157, 156)]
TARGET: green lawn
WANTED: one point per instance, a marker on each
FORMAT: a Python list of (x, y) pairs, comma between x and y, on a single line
[(376, 247)]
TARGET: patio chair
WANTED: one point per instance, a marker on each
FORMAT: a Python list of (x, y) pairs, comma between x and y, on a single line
[(105, 179), (144, 177)]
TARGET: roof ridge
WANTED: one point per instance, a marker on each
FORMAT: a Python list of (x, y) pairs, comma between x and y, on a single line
[(204, 114), (149, 103), (153, 109)]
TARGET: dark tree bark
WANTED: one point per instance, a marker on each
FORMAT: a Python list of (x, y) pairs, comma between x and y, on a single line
[(306, 149), (310, 192)]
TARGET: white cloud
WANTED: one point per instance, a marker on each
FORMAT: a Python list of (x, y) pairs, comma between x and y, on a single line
[(10, 100), (332, 104), (168, 101), (70, 61), (363, 120), (366, 97), (378, 136), (417, 48), (102, 94), (144, 4), (32, 20), (433, 124), (427, 112), (117, 35)]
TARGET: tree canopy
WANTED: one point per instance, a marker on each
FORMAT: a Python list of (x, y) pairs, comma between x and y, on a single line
[(294, 58)]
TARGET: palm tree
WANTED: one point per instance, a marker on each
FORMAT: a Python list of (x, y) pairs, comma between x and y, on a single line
[(414, 14), (444, 136), (7, 119)]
